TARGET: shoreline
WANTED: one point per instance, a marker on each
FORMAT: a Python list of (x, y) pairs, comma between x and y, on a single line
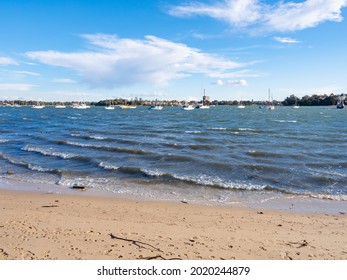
[(47, 225), (240, 198)]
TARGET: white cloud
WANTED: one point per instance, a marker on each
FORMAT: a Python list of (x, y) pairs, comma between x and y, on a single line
[(258, 16), (15, 87), (286, 40), (7, 61), (26, 73), (64, 81), (117, 62), (220, 82), (242, 83), (235, 74)]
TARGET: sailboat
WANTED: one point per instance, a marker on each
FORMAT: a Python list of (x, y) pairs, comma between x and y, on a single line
[(241, 106), (38, 106), (203, 105), (81, 105), (156, 106), (109, 106), (296, 106), (127, 106), (341, 103), (271, 106), (60, 106), (188, 107)]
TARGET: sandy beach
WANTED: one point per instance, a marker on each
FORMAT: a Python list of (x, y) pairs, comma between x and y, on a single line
[(38, 225)]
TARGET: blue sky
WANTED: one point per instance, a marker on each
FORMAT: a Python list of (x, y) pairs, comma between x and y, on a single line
[(171, 49)]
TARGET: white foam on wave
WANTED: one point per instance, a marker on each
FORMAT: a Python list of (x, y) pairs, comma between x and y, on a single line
[(48, 152), (81, 144), (35, 167), (205, 180), (153, 172), (335, 197), (246, 129), (193, 131), (97, 137), (217, 128), (108, 166), (286, 121)]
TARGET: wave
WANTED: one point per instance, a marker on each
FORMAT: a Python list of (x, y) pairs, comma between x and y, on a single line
[(334, 197), (49, 152), (96, 137), (166, 177), (107, 148), (4, 140), (30, 166), (202, 147), (173, 145), (254, 153), (193, 132), (35, 167), (218, 128), (108, 166), (285, 121)]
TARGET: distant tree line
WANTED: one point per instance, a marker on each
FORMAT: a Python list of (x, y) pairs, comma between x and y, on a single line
[(313, 100)]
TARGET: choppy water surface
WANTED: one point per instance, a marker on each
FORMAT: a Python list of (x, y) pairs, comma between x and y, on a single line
[(223, 154)]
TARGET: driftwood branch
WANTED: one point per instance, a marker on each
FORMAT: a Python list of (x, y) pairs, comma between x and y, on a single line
[(139, 244), (158, 257), (301, 244)]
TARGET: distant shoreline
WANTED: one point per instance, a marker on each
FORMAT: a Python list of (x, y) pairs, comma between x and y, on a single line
[(313, 100)]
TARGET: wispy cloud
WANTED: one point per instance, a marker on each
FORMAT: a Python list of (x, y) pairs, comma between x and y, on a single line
[(286, 40), (64, 81), (241, 82), (7, 61), (118, 62), (16, 87), (258, 16), (236, 74), (28, 73)]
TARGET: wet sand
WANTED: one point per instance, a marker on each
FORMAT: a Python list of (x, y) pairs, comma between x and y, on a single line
[(38, 225)]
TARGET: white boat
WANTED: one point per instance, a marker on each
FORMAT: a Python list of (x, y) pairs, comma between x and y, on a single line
[(188, 107), (81, 106), (156, 107), (241, 106), (109, 107), (203, 105), (341, 103), (296, 106), (127, 107), (60, 106), (271, 106), (37, 106)]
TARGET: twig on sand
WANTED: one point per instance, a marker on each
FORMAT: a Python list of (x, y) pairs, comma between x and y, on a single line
[(136, 242), (48, 206), (301, 244), (158, 257)]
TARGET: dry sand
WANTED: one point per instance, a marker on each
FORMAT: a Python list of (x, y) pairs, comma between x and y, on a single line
[(51, 226)]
